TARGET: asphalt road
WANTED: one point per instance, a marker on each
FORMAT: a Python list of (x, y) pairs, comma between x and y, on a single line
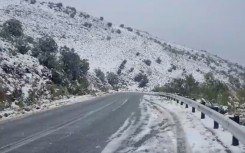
[(78, 128)]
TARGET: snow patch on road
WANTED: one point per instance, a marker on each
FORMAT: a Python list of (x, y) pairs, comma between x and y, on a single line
[(151, 132)]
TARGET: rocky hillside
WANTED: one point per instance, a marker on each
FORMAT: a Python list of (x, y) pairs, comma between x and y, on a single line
[(118, 55)]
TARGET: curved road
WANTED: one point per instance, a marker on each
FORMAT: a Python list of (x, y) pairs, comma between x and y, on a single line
[(118, 123), (78, 128)]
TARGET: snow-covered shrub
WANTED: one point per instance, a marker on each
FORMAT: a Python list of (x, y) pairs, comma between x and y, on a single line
[(12, 27), (101, 18), (73, 65), (108, 38), (142, 79), (71, 11), (130, 29), (109, 24), (88, 25), (33, 2), (112, 78), (121, 67), (22, 46), (147, 62), (159, 61), (235, 81), (49, 60), (173, 67), (47, 44), (131, 70), (3, 97), (118, 31), (100, 74), (122, 25), (137, 54)]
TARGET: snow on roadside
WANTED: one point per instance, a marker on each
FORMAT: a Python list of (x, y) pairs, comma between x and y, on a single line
[(16, 112), (200, 134), (151, 132)]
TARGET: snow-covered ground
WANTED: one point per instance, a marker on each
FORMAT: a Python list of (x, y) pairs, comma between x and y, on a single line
[(165, 126), (15, 111), (106, 48)]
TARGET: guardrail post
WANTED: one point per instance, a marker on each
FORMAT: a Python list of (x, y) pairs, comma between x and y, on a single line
[(202, 114), (186, 105), (216, 124), (235, 141), (193, 110), (181, 103)]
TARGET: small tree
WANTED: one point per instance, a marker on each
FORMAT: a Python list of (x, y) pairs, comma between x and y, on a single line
[(112, 78), (147, 62), (109, 24), (122, 25), (159, 61), (22, 46), (118, 31), (33, 1), (130, 29), (73, 66), (13, 27), (100, 74), (142, 79), (48, 45)]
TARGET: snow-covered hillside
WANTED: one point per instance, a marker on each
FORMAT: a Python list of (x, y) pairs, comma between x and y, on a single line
[(106, 45)]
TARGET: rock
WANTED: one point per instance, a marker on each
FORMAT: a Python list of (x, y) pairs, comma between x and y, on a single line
[(6, 115), (27, 109)]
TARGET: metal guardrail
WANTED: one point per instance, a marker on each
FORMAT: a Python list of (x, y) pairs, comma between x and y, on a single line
[(234, 128)]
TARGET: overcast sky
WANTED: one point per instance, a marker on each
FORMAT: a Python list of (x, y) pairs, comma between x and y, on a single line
[(217, 26)]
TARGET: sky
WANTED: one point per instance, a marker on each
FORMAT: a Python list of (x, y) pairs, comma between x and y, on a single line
[(217, 26)]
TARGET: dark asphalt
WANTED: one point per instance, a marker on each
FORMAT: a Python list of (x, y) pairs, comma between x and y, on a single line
[(78, 128)]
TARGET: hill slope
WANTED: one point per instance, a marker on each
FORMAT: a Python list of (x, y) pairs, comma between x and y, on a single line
[(106, 46)]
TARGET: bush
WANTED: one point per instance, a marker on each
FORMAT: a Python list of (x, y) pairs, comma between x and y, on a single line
[(235, 82), (159, 61), (122, 25), (109, 24), (57, 77), (49, 60), (121, 67), (142, 79), (100, 74), (130, 29), (47, 44), (147, 62), (88, 25), (22, 47), (33, 1), (112, 78), (3, 97), (137, 54), (108, 38), (213, 90), (13, 27), (101, 18), (118, 31), (131, 70), (71, 11), (72, 65), (59, 5)]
